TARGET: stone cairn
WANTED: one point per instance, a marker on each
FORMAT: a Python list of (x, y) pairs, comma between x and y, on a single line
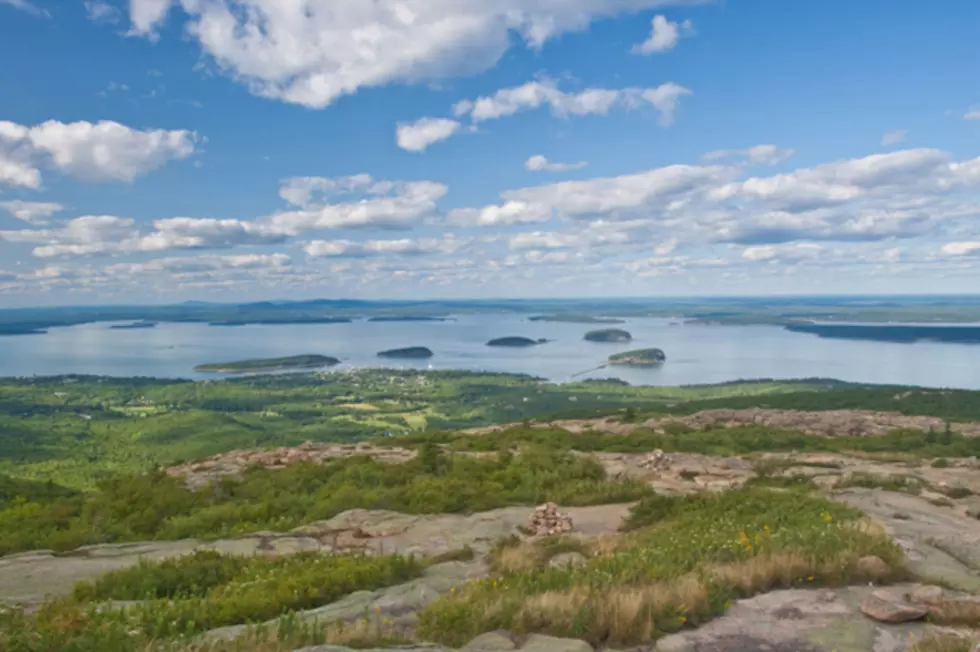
[(656, 461), (546, 520)]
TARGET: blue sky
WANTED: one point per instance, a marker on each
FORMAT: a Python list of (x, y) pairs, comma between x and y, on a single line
[(157, 150)]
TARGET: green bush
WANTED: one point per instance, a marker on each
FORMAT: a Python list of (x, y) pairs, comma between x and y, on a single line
[(900, 483), (192, 575), (193, 594)]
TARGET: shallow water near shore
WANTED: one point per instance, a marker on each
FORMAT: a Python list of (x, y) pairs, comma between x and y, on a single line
[(696, 354)]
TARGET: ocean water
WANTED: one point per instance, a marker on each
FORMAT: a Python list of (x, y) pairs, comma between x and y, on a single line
[(696, 354)]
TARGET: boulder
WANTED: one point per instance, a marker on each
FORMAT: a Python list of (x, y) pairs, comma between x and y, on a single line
[(872, 566), (540, 643), (656, 461), (567, 559), (887, 607), (930, 595), (490, 642)]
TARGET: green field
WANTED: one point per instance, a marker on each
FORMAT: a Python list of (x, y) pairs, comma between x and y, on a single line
[(76, 430)]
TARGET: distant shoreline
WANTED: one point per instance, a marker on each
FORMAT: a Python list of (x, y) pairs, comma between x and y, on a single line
[(268, 365), (905, 334)]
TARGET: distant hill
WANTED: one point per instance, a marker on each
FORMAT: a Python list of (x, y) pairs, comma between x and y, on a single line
[(891, 332)]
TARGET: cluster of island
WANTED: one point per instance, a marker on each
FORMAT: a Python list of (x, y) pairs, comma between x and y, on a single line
[(639, 357), (952, 319)]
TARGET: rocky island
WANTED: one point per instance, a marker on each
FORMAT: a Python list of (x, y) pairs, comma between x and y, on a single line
[(608, 335), (639, 358), (407, 353), (269, 364), (516, 342)]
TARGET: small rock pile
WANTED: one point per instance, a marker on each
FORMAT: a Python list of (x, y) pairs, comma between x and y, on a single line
[(546, 520), (656, 461), (202, 472)]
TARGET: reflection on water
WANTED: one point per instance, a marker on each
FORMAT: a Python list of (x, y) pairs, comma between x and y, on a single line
[(695, 354)]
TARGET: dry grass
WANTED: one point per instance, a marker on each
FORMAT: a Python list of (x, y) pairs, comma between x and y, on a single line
[(370, 632), (961, 613), (945, 643), (627, 614), (515, 555), (683, 564), (617, 615)]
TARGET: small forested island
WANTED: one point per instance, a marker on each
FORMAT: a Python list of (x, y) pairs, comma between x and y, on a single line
[(576, 319), (639, 358), (269, 364), (18, 329), (136, 325), (407, 353), (516, 341), (608, 335), (393, 318), (903, 333)]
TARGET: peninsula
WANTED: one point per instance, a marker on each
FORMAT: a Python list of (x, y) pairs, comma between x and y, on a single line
[(269, 364), (608, 335), (21, 329), (136, 325), (516, 342), (903, 333), (639, 358), (407, 353)]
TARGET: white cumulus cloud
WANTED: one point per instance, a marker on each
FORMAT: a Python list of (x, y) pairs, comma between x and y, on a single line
[(961, 249), (418, 135), (539, 163), (311, 52), (372, 248), (89, 151), (664, 35), (894, 137), (25, 6), (507, 102), (32, 212), (591, 101), (756, 155), (100, 11)]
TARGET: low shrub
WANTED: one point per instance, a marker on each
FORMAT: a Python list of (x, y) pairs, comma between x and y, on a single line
[(682, 562), (232, 591), (899, 483), (156, 506)]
